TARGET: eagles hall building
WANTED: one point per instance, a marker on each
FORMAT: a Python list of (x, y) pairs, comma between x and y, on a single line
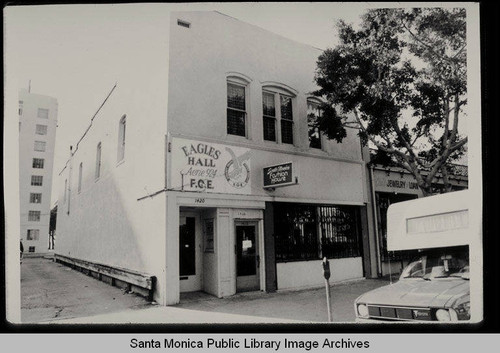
[(211, 175)]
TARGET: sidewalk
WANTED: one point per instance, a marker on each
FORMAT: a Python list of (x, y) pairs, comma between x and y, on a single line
[(52, 293)]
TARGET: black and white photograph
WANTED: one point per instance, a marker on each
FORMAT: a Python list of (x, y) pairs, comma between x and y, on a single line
[(243, 163)]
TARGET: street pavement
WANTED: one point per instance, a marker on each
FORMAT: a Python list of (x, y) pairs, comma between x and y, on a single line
[(53, 293)]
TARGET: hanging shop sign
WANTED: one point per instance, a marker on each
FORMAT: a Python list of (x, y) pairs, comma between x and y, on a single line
[(279, 175), (209, 167)]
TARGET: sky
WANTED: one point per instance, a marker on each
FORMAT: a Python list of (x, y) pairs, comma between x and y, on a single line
[(71, 52)]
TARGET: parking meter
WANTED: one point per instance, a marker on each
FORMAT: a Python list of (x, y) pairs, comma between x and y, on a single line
[(326, 268)]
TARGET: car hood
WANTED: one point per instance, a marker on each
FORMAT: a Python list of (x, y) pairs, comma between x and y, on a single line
[(440, 292)]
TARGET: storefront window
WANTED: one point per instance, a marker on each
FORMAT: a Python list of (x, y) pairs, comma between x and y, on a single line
[(310, 232)]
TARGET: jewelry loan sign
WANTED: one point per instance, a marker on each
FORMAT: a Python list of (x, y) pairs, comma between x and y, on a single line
[(209, 167)]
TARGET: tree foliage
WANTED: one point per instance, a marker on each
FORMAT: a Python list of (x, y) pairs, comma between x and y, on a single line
[(401, 81)]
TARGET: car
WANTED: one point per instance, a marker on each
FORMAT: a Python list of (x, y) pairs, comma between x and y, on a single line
[(434, 287)]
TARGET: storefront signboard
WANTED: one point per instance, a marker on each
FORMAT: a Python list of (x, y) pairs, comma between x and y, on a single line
[(209, 167), (278, 175)]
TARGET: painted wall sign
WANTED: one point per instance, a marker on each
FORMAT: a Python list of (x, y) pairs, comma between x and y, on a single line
[(209, 167), (278, 175)]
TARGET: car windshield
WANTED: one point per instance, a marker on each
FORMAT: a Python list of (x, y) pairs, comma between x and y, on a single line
[(438, 265)]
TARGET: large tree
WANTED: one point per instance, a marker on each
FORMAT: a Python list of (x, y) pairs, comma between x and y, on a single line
[(400, 80)]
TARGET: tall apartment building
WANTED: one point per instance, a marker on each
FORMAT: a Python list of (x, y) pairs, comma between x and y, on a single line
[(209, 174), (37, 133)]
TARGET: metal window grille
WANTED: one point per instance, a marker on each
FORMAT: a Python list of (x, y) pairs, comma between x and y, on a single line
[(310, 232), (43, 113), (38, 163), (269, 115), (41, 129), (35, 197), (36, 180), (339, 232), (236, 110), (34, 216)]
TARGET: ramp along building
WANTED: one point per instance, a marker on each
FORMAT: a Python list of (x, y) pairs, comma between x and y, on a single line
[(37, 133), (210, 175)]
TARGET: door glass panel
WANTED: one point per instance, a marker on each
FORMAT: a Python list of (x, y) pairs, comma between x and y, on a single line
[(187, 250), (245, 252)]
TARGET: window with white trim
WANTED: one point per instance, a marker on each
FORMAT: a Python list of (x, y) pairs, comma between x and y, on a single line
[(121, 138), (36, 180), (98, 161), (313, 114), (41, 129), (43, 113), (33, 234), (278, 123), (40, 146), (236, 109)]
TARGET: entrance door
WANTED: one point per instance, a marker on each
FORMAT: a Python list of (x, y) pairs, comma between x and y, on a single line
[(189, 253), (247, 257)]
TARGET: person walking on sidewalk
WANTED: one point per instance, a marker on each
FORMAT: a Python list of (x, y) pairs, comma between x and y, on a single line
[(22, 250)]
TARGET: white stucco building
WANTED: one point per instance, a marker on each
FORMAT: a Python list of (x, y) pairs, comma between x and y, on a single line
[(210, 177), (37, 133)]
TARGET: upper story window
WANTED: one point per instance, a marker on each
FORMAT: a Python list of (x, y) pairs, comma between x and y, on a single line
[(36, 180), (98, 161), (41, 129), (33, 234), (38, 163), (278, 123), (34, 216), (80, 171), (35, 197), (43, 113), (236, 109), (121, 138), (40, 146), (313, 115)]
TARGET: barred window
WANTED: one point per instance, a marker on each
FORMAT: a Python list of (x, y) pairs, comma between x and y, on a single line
[(31, 249), (313, 115), (269, 115), (33, 234), (36, 180), (34, 216), (41, 129), (236, 109), (43, 113), (38, 163), (35, 197), (311, 232), (339, 232), (40, 146)]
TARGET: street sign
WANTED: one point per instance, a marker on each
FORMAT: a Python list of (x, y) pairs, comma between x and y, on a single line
[(279, 175)]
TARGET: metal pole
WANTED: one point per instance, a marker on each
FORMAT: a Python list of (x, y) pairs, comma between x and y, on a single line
[(328, 304)]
